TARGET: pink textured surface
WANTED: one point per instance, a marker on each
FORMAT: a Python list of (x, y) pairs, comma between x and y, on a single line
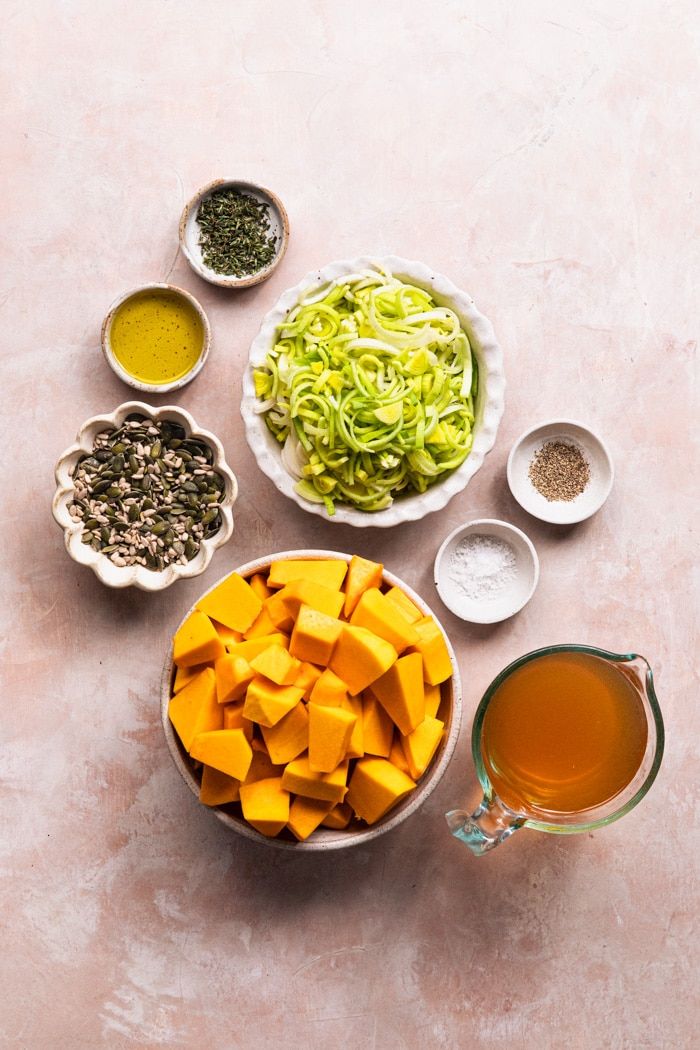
[(541, 156)]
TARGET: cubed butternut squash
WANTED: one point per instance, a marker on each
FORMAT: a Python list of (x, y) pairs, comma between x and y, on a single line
[(315, 595), (409, 609), (259, 585), (362, 574), (265, 805), (194, 709), (288, 737), (375, 612), (266, 703), (329, 690), (307, 677), (227, 634), (253, 646), (378, 727), (263, 625), (375, 786), (330, 729), (224, 749), (314, 635), (301, 779), (217, 788), (396, 755), (196, 641), (420, 745), (262, 767), (183, 675), (356, 746), (433, 698), (330, 573), (400, 692), (276, 664), (338, 818), (234, 719), (305, 815), (360, 657), (233, 603), (437, 666), (233, 676)]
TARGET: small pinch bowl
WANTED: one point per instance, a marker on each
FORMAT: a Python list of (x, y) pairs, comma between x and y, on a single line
[(450, 712), (137, 575), (489, 403), (119, 370), (189, 233), (516, 593), (596, 453)]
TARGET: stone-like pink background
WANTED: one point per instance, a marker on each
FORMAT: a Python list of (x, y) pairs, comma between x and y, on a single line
[(544, 156)]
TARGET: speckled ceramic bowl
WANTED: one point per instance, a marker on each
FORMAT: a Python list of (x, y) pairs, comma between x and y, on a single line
[(450, 712), (126, 377), (137, 575), (489, 404), (189, 233)]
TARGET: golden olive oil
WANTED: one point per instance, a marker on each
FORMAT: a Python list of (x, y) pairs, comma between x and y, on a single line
[(157, 336), (565, 732)]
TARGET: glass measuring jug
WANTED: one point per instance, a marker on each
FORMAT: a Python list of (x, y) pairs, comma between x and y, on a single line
[(566, 739)]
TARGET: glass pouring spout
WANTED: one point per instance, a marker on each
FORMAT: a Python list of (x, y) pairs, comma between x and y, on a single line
[(485, 828)]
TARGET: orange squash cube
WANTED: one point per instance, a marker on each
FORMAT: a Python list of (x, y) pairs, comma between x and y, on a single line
[(276, 664), (288, 737), (233, 676), (217, 788), (301, 779), (265, 805), (329, 690), (233, 603), (420, 745), (362, 574), (375, 787), (224, 749), (330, 729), (330, 573), (404, 603), (360, 657), (378, 727), (437, 666), (338, 818), (305, 815), (400, 692), (314, 635), (194, 709), (196, 642), (375, 612), (266, 703)]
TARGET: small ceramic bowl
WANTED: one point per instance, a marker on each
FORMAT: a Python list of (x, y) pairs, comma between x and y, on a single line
[(595, 452), (137, 575), (489, 401), (503, 603), (189, 233), (450, 712), (126, 377)]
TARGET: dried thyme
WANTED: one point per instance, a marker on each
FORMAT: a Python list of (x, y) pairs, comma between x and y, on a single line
[(147, 494), (235, 233), (559, 471)]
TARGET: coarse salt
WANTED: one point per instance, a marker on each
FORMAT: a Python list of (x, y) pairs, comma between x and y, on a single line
[(482, 566)]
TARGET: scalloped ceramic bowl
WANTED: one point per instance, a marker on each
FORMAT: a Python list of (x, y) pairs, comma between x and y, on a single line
[(450, 712), (137, 575), (489, 405)]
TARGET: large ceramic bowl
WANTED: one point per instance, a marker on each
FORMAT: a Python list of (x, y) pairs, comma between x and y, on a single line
[(489, 405), (137, 575), (450, 712)]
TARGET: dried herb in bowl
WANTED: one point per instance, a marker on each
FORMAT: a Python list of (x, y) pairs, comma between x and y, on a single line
[(147, 494), (235, 235)]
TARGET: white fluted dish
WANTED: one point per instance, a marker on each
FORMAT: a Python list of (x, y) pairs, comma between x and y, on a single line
[(450, 712), (489, 402), (137, 575)]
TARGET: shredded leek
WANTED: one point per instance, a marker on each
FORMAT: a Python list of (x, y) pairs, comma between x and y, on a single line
[(370, 388)]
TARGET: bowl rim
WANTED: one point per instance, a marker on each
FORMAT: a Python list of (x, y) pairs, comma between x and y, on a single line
[(414, 507), (136, 575), (331, 840), (120, 371), (225, 280), (585, 510), (503, 526)]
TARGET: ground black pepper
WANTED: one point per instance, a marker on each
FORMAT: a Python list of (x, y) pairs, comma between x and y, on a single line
[(559, 471)]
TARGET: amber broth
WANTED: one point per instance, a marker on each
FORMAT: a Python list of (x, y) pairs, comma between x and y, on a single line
[(563, 733)]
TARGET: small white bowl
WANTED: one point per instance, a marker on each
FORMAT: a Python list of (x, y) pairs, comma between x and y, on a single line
[(489, 403), (516, 593), (595, 452), (190, 232), (137, 575), (126, 377), (450, 712)]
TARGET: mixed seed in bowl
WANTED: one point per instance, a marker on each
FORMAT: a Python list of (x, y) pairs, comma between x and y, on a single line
[(147, 494)]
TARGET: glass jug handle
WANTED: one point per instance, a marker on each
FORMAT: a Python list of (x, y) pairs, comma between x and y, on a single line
[(484, 829)]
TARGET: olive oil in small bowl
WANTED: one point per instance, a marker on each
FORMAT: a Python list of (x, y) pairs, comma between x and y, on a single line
[(156, 338)]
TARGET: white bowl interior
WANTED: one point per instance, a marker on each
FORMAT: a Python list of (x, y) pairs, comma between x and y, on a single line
[(516, 593), (324, 838), (561, 512), (191, 230), (488, 409)]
